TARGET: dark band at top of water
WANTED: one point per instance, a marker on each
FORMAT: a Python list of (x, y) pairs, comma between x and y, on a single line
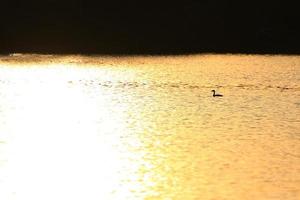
[(154, 27)]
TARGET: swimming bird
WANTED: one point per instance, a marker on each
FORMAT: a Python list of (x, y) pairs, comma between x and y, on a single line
[(216, 95)]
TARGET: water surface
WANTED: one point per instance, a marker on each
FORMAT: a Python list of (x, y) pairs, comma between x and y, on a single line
[(77, 127)]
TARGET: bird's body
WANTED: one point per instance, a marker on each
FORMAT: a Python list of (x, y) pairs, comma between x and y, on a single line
[(216, 95)]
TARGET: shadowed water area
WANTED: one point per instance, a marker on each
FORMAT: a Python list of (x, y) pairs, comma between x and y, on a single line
[(147, 127)]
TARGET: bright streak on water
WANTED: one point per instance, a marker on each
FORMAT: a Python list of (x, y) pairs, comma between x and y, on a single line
[(75, 127)]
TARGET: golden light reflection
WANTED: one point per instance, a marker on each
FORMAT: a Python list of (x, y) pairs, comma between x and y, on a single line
[(63, 143), (112, 128)]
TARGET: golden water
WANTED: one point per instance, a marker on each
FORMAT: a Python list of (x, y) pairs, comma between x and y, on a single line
[(75, 127)]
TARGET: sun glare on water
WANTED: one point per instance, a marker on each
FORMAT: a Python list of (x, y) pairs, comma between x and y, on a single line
[(54, 148)]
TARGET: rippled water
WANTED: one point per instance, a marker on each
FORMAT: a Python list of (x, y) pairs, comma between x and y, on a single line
[(75, 127)]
